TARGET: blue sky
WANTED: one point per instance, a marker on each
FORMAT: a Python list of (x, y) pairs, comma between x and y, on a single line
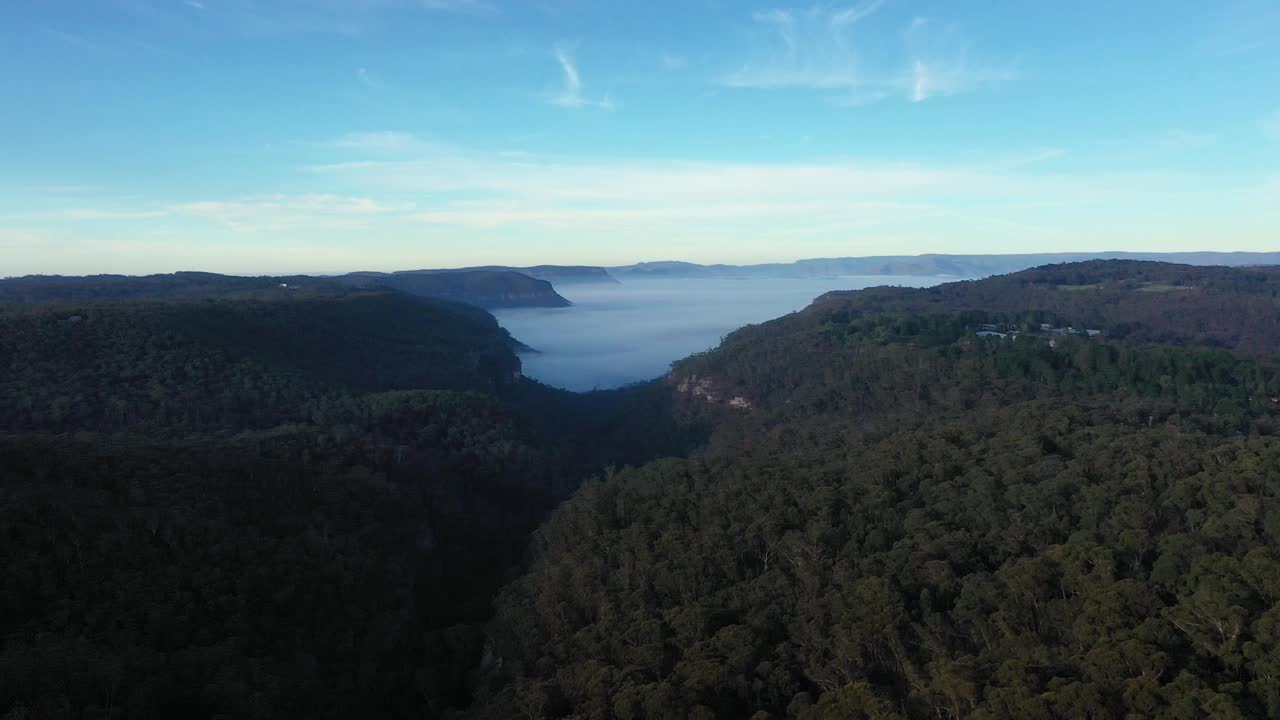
[(327, 135)]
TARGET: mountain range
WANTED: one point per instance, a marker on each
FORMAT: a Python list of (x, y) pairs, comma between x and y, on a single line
[(959, 266), (497, 286), (482, 288)]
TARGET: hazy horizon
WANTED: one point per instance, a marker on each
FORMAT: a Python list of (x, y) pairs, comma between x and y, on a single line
[(393, 269)]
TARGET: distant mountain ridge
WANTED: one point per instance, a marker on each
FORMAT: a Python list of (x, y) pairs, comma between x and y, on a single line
[(559, 274), (961, 266), (482, 288)]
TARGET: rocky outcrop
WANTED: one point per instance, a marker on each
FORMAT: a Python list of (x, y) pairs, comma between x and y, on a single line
[(704, 388), (556, 274), (488, 289)]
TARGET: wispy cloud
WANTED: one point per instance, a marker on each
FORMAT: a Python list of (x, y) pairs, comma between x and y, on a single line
[(942, 65), (993, 199), (413, 202), (284, 212), (252, 214), (571, 96), (444, 170), (96, 214), (807, 49), (468, 189), (851, 15), (818, 49)]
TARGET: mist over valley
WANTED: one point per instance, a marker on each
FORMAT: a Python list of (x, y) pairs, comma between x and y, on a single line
[(615, 334)]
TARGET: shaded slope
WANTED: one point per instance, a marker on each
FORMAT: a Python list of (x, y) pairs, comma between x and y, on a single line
[(906, 520), (482, 288), (238, 363), (296, 507), (485, 288)]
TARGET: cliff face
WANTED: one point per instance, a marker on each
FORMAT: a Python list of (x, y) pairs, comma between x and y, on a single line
[(558, 274), (705, 388), (483, 288)]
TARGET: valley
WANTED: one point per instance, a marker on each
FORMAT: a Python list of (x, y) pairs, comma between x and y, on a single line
[(352, 499)]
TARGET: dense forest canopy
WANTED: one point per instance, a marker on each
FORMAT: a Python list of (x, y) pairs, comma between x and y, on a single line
[(293, 504), (1155, 302), (954, 502), (1051, 494), (237, 364), (480, 287)]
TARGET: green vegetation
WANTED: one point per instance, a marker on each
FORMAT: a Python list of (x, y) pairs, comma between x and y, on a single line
[(321, 505), (497, 288), (914, 522), (480, 287), (1025, 562), (298, 506), (1223, 307), (242, 364)]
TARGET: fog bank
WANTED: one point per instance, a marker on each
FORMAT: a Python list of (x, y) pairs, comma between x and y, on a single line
[(619, 334)]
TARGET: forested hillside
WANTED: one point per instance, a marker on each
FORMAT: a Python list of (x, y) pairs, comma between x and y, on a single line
[(1140, 301), (482, 288), (487, 288), (898, 517), (295, 506), (239, 364), (1052, 494)]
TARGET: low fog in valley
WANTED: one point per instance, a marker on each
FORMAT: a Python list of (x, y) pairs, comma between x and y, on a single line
[(617, 334)]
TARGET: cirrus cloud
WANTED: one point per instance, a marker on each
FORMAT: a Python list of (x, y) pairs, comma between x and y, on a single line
[(822, 49)]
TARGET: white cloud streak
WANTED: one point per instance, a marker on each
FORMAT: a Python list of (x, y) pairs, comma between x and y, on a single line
[(284, 212), (96, 214), (817, 49), (571, 95), (453, 187), (390, 190)]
